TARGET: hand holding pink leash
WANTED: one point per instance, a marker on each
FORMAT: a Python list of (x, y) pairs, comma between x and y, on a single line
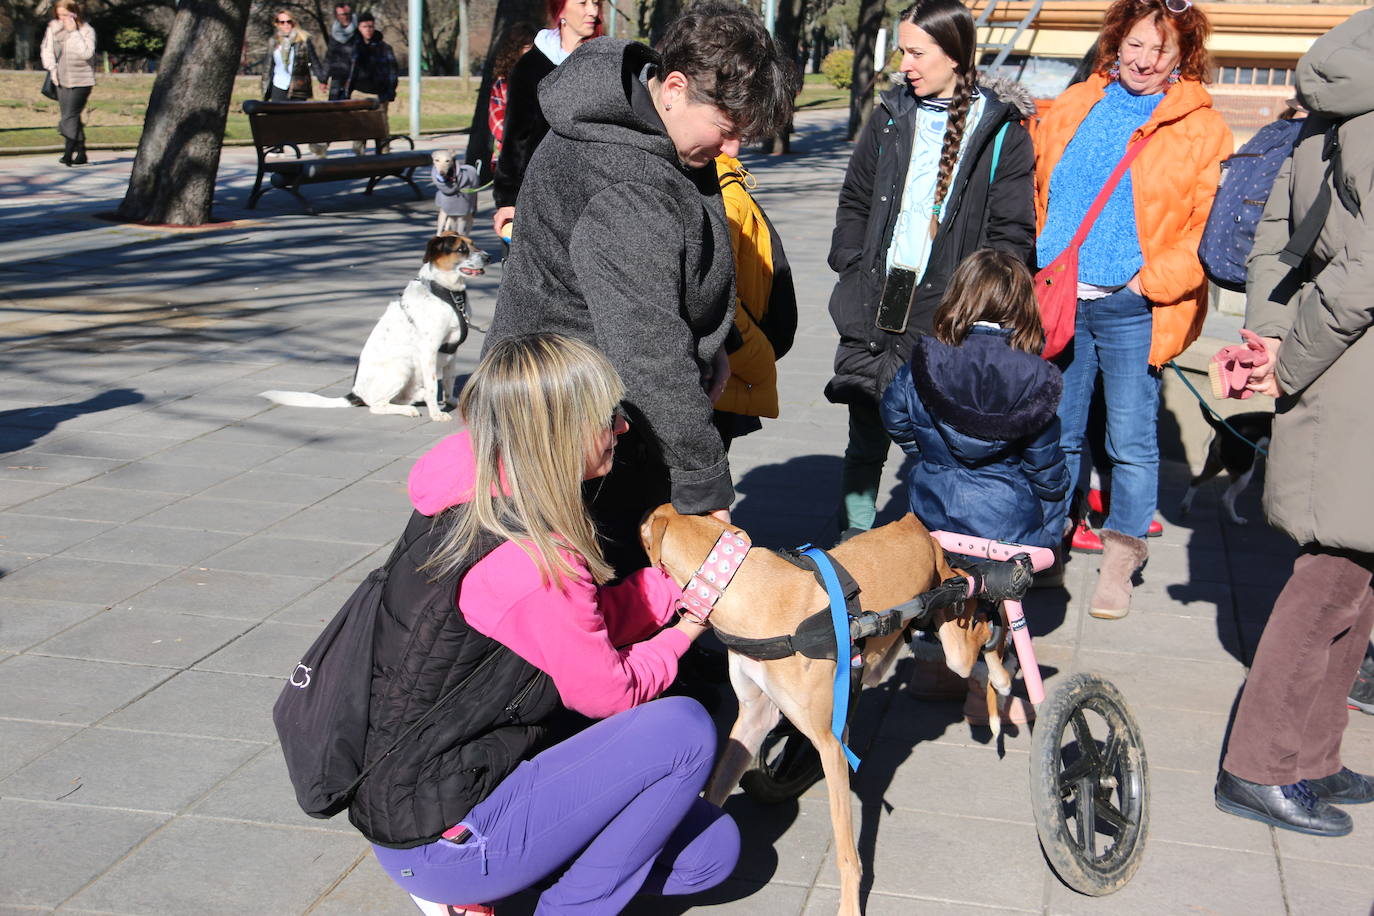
[(1231, 367)]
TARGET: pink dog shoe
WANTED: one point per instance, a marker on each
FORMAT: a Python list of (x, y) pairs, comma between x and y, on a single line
[(1231, 366)]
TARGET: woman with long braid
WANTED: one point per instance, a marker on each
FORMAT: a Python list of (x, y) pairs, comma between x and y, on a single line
[(943, 168)]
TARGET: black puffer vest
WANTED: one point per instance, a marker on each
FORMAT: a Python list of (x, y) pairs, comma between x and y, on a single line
[(493, 704)]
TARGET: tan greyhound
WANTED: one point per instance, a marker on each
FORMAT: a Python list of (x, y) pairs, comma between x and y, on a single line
[(770, 596)]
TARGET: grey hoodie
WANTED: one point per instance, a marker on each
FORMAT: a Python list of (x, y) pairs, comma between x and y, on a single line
[(618, 245), (1317, 482)]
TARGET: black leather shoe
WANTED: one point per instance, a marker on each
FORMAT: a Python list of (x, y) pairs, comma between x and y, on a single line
[(1291, 807), (1344, 788)]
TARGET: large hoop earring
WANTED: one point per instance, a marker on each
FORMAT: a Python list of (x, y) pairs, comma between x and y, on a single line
[(1114, 72)]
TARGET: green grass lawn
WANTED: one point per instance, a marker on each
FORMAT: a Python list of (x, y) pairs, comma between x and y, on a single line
[(115, 112)]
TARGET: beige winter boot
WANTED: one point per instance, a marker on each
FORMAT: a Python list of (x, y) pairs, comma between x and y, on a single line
[(1122, 555)]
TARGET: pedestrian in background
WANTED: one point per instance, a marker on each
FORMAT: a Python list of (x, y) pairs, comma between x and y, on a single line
[(68, 54), (572, 23), (338, 50), (517, 41), (1141, 296), (291, 61), (1312, 308)]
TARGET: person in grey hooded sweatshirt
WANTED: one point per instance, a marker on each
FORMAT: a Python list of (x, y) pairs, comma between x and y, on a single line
[(1313, 306), (623, 242)]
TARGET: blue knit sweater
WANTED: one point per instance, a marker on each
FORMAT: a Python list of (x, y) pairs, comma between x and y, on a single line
[(1111, 255)]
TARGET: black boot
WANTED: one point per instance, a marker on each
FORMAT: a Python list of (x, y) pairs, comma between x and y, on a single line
[(67, 154), (79, 157)]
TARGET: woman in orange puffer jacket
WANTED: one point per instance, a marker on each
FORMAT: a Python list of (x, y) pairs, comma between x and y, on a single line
[(1141, 290)]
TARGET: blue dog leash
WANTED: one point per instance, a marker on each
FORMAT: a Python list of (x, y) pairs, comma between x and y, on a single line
[(839, 618)]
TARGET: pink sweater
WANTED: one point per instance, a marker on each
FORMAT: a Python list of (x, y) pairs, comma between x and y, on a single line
[(595, 642)]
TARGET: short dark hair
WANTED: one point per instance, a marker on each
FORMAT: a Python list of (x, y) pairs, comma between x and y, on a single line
[(366, 17), (731, 62)]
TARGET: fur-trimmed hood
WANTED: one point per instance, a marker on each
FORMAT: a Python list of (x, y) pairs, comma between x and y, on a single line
[(984, 394)]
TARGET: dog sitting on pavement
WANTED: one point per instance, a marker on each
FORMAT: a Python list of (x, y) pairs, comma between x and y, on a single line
[(410, 350), (769, 596), (1236, 456)]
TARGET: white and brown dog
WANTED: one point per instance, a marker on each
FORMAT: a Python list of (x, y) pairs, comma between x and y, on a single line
[(1236, 454), (410, 350)]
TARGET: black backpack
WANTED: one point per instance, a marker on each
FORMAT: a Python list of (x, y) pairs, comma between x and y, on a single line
[(322, 713)]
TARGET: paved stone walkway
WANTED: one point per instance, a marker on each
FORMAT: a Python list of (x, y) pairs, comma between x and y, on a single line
[(169, 543)]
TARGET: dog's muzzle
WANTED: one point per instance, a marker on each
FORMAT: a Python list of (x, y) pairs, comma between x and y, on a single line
[(709, 582)]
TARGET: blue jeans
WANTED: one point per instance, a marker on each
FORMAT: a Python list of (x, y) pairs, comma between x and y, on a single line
[(615, 808), (1112, 337)]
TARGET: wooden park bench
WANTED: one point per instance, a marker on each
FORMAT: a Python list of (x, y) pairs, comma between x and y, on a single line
[(278, 126)]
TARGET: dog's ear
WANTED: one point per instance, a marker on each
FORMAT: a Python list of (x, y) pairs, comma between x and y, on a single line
[(658, 527)]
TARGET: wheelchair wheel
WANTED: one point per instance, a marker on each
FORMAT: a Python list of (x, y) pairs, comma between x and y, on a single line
[(785, 766), (1089, 786)]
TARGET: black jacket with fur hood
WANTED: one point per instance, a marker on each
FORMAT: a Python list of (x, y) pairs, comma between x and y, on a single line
[(617, 244), (1000, 214)]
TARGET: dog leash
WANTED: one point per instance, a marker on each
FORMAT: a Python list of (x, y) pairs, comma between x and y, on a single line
[(839, 618), (1208, 407)]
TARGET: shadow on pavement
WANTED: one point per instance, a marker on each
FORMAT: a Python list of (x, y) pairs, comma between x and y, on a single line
[(21, 428)]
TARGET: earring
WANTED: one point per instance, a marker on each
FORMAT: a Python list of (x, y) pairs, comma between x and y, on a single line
[(1114, 73), (667, 106), (562, 22), (1175, 76)]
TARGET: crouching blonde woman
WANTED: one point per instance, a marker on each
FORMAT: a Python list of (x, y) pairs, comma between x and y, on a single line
[(499, 610)]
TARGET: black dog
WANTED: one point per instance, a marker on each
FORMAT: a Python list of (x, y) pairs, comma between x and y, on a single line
[(1226, 452)]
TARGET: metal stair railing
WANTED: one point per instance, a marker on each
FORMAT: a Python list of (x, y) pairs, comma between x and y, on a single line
[(1005, 48)]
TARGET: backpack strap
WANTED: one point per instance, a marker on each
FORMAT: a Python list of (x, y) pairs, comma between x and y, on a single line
[(997, 150), (1304, 237)]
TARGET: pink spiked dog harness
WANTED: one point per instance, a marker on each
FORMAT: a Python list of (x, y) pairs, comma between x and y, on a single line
[(710, 580)]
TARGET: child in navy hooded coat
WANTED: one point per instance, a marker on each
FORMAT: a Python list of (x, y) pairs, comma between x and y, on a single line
[(976, 409)]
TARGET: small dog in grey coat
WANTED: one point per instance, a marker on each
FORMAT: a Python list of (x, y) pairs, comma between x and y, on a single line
[(455, 193)]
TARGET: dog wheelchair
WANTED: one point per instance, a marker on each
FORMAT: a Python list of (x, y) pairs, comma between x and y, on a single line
[(1088, 772)]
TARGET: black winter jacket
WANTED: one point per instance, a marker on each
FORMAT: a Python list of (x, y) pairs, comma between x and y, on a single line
[(494, 704), (618, 245), (1001, 216), (525, 125)]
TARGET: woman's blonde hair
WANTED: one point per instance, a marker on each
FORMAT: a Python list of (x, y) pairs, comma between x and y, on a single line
[(991, 285), (72, 6), (535, 408)]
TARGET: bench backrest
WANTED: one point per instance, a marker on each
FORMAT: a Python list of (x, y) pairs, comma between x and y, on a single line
[(277, 123)]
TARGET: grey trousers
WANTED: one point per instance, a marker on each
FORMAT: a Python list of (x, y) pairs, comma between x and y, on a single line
[(72, 101)]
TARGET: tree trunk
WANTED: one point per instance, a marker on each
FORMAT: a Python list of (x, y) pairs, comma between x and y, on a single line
[(865, 43), (173, 177), (788, 31), (665, 11), (508, 12)]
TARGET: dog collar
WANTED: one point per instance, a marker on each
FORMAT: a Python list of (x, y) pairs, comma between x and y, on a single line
[(456, 299), (711, 579)]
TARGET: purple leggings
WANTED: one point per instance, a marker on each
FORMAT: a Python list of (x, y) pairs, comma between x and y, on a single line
[(617, 804)]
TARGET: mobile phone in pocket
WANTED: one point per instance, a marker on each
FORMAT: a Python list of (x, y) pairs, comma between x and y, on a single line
[(894, 308)]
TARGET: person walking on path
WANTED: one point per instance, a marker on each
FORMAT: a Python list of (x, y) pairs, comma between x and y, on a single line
[(338, 50), (920, 194), (68, 54), (623, 242), (1312, 308), (291, 60), (476, 806), (1141, 291)]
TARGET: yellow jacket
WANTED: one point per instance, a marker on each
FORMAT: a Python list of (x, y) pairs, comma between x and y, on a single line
[(752, 389)]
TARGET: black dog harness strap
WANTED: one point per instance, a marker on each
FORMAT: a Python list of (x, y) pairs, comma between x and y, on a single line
[(815, 636)]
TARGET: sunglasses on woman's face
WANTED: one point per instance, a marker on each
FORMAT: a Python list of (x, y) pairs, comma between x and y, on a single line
[(293, 22), (1178, 6), (617, 416)]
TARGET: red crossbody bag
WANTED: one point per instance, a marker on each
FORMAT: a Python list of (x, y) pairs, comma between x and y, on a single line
[(1056, 286)]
